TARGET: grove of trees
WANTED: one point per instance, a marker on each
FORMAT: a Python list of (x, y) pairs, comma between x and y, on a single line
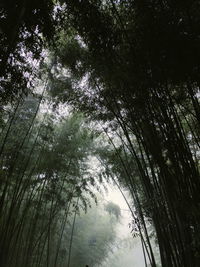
[(117, 80)]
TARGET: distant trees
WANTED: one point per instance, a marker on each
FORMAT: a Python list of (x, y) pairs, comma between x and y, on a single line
[(94, 236)]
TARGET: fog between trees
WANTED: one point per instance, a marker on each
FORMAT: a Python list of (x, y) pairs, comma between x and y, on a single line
[(117, 81)]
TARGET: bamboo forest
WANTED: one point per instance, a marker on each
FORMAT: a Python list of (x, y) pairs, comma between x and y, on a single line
[(99, 133)]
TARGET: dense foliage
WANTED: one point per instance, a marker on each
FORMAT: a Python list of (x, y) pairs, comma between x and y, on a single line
[(149, 87), (24, 28), (45, 180), (133, 66)]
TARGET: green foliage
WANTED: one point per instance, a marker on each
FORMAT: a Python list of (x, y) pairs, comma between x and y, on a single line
[(24, 28), (45, 168), (143, 78), (131, 64)]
